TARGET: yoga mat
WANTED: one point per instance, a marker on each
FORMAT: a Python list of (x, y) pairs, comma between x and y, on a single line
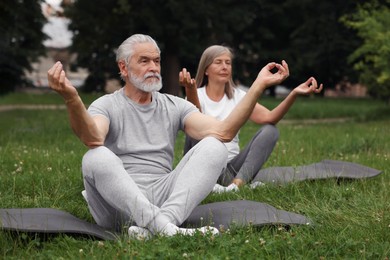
[(242, 213), (322, 170), (217, 214), (49, 221)]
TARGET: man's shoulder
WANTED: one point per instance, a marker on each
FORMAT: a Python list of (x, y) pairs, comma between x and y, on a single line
[(169, 97), (107, 99), (115, 94), (175, 103)]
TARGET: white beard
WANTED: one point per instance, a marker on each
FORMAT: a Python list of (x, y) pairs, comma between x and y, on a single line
[(140, 83)]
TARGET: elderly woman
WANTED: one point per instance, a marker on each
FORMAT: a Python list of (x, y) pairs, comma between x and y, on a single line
[(214, 93)]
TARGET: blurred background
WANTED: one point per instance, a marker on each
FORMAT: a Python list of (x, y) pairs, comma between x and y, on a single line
[(344, 44)]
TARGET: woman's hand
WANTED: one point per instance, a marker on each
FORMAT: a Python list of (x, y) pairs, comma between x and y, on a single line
[(186, 80), (308, 87)]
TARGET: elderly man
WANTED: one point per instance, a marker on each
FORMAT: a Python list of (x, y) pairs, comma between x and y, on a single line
[(128, 175)]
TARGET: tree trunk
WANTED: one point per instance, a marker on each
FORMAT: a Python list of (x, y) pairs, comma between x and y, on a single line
[(170, 73)]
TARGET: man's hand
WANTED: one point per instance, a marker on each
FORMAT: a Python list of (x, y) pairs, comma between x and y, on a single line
[(60, 83), (269, 78), (186, 80)]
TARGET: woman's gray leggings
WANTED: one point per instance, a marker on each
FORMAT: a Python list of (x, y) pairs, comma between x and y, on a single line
[(248, 162)]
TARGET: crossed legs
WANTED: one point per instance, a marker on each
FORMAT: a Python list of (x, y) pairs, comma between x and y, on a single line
[(115, 198)]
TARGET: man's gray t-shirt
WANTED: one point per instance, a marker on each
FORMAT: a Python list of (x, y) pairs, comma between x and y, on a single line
[(143, 136)]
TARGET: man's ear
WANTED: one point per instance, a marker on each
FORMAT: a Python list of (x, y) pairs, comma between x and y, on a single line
[(122, 68)]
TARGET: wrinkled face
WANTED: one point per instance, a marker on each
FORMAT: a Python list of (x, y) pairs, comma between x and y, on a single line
[(220, 70), (143, 68)]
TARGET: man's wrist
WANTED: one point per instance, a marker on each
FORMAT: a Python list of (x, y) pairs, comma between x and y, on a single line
[(71, 100)]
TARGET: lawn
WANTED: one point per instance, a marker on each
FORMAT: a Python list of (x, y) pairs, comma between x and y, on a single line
[(40, 160)]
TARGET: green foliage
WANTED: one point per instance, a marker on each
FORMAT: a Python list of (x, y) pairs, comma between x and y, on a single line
[(99, 28), (372, 58), (307, 34), (20, 42), (320, 44), (182, 29)]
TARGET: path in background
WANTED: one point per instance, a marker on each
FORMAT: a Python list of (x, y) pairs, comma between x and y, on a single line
[(4, 108)]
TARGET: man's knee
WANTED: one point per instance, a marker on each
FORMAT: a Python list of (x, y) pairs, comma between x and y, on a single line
[(214, 149), (97, 158)]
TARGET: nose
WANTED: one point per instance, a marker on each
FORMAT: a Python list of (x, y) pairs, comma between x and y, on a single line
[(225, 65), (154, 66)]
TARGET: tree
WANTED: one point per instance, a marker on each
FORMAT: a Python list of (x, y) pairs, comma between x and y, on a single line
[(307, 33), (181, 31), (372, 58), (20, 42), (321, 44)]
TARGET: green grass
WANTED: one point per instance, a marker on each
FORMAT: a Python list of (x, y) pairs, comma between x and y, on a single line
[(45, 97), (40, 160)]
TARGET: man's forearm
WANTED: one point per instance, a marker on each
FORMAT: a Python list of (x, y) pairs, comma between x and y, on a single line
[(82, 123), (240, 114)]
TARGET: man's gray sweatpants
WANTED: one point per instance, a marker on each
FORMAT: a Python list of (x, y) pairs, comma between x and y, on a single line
[(117, 198)]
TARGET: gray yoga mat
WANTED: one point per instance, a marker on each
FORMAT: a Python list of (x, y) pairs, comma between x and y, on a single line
[(242, 213), (50, 221), (323, 170), (239, 212)]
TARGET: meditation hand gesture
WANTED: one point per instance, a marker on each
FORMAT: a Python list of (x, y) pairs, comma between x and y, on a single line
[(269, 78), (308, 87), (60, 83), (190, 87), (186, 80)]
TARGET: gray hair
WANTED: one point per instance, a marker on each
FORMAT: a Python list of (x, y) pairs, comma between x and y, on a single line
[(126, 49), (206, 59)]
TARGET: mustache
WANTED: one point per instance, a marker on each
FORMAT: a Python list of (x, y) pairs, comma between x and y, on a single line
[(152, 75)]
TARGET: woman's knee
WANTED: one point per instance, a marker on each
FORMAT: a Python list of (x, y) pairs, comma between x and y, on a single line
[(271, 131)]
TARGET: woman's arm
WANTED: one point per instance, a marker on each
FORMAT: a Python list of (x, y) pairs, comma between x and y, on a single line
[(262, 115), (189, 87), (199, 126)]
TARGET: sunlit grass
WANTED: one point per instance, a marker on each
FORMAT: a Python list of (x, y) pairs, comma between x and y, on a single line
[(40, 160)]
